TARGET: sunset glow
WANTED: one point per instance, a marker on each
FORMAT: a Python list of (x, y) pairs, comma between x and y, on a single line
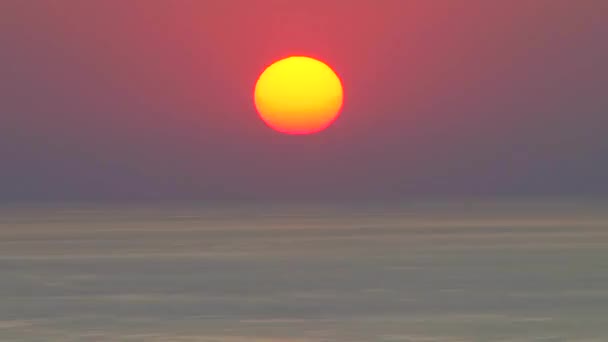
[(298, 95)]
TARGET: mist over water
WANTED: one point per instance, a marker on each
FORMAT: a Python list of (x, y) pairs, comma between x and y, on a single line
[(432, 271)]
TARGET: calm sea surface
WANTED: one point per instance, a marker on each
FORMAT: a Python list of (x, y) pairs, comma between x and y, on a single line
[(434, 271)]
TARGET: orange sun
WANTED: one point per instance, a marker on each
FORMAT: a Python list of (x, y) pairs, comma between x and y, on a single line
[(298, 95)]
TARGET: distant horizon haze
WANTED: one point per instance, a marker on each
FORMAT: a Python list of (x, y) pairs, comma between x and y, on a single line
[(119, 100)]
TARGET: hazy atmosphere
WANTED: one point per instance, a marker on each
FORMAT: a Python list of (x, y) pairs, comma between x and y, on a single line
[(303, 171), (153, 99)]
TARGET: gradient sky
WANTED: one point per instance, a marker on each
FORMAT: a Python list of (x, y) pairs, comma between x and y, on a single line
[(139, 99)]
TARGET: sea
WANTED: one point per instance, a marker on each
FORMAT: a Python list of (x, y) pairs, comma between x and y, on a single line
[(429, 270)]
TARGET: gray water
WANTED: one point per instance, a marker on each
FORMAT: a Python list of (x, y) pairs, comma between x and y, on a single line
[(434, 271)]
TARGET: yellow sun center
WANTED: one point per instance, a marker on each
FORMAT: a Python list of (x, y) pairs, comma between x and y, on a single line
[(298, 95)]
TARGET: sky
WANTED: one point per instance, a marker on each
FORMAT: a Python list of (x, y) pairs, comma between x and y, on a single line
[(152, 99)]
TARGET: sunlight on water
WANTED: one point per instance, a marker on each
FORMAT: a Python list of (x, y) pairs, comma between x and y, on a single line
[(434, 271)]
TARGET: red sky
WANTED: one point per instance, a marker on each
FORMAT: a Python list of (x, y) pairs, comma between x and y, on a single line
[(125, 99)]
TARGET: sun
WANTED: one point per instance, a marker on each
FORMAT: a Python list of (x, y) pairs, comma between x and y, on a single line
[(298, 95)]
